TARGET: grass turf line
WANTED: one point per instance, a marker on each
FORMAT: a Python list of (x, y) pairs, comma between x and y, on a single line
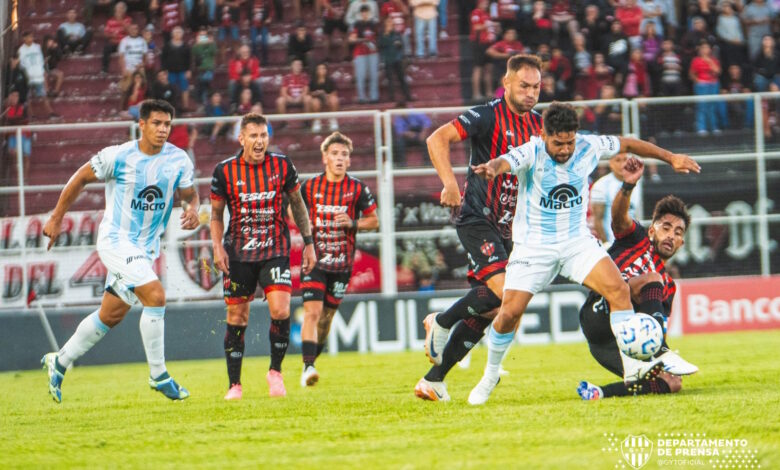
[(363, 412)]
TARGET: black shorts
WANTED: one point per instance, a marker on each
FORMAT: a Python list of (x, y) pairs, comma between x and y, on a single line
[(329, 26), (488, 252), (479, 54), (240, 285), (326, 286)]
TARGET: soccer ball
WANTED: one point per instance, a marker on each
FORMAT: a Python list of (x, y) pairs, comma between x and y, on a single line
[(640, 336)]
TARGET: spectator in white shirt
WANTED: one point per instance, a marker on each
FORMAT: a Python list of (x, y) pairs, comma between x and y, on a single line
[(72, 36), (353, 12), (132, 51), (32, 62)]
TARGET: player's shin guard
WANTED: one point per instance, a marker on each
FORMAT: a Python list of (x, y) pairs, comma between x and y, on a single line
[(152, 327), (279, 334), (498, 343), (476, 301), (234, 352), (89, 332), (464, 337)]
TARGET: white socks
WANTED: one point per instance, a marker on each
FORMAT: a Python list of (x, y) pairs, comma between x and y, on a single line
[(498, 343), (89, 332), (153, 335), (617, 317)]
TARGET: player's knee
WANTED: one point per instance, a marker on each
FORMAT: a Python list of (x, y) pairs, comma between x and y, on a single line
[(312, 314), (617, 293), (279, 312)]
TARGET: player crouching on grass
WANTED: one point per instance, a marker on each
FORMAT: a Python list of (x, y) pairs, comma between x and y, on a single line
[(141, 178), (640, 254), (339, 206)]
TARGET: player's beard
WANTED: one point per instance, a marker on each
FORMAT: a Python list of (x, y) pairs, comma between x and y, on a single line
[(521, 106)]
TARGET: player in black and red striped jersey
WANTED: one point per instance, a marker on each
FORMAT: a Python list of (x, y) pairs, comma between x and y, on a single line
[(256, 246), (339, 206), (484, 220), (640, 254)]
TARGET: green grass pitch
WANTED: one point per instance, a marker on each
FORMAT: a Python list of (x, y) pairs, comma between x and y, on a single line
[(363, 413)]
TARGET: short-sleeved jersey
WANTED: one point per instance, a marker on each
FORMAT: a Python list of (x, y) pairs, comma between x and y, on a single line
[(635, 255), (554, 196), (139, 193), (603, 192), (493, 129), (335, 246), (253, 193)]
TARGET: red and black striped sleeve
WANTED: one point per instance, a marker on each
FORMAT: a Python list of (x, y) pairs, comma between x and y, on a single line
[(218, 183), (366, 203), (476, 121), (291, 183)]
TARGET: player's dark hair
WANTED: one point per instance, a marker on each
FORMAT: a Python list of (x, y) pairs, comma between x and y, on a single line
[(671, 205), (253, 118), (560, 117), (149, 106), (518, 61), (336, 138)]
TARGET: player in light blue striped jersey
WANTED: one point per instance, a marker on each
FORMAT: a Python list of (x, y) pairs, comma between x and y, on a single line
[(141, 178), (549, 230)]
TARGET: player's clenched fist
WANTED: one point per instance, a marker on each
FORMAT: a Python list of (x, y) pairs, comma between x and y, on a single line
[(450, 196), (221, 258), (52, 230)]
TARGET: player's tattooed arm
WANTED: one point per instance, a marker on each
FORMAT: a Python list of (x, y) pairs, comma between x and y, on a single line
[(70, 193), (299, 213), (621, 220), (680, 162), (301, 217), (190, 202)]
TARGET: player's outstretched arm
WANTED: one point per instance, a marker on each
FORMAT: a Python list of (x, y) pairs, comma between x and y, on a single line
[(70, 192), (680, 162), (632, 171), (217, 227), (190, 202), (301, 218), (493, 168), (439, 151)]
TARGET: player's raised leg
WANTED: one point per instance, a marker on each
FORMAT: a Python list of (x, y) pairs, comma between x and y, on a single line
[(89, 332), (152, 326), (279, 336)]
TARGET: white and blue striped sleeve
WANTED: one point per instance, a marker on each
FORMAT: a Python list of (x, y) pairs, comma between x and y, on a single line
[(520, 158), (187, 178), (607, 146), (103, 162)]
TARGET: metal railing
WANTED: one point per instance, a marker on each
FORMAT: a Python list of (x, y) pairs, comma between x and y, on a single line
[(387, 174)]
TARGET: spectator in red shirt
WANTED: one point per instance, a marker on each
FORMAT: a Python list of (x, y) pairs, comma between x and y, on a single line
[(15, 114), (561, 68), (399, 12), (705, 75), (295, 90), (501, 51), (637, 81), (597, 75), (243, 61), (482, 35), (136, 92), (365, 56), (630, 16), (117, 27), (562, 17), (541, 30)]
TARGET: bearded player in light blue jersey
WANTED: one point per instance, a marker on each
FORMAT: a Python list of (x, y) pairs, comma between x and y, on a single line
[(550, 233), (141, 178)]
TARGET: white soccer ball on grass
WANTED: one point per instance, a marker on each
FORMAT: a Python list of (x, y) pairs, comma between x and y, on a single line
[(640, 336)]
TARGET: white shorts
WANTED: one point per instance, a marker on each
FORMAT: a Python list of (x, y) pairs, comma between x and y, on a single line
[(128, 267), (532, 268)]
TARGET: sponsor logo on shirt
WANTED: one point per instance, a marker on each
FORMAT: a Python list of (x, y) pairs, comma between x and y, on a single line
[(563, 196), (263, 196), (146, 200)]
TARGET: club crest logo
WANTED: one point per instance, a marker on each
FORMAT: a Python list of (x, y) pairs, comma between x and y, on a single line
[(636, 450), (198, 259), (487, 248)]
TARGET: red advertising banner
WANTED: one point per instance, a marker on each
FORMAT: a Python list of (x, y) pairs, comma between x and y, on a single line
[(729, 304)]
